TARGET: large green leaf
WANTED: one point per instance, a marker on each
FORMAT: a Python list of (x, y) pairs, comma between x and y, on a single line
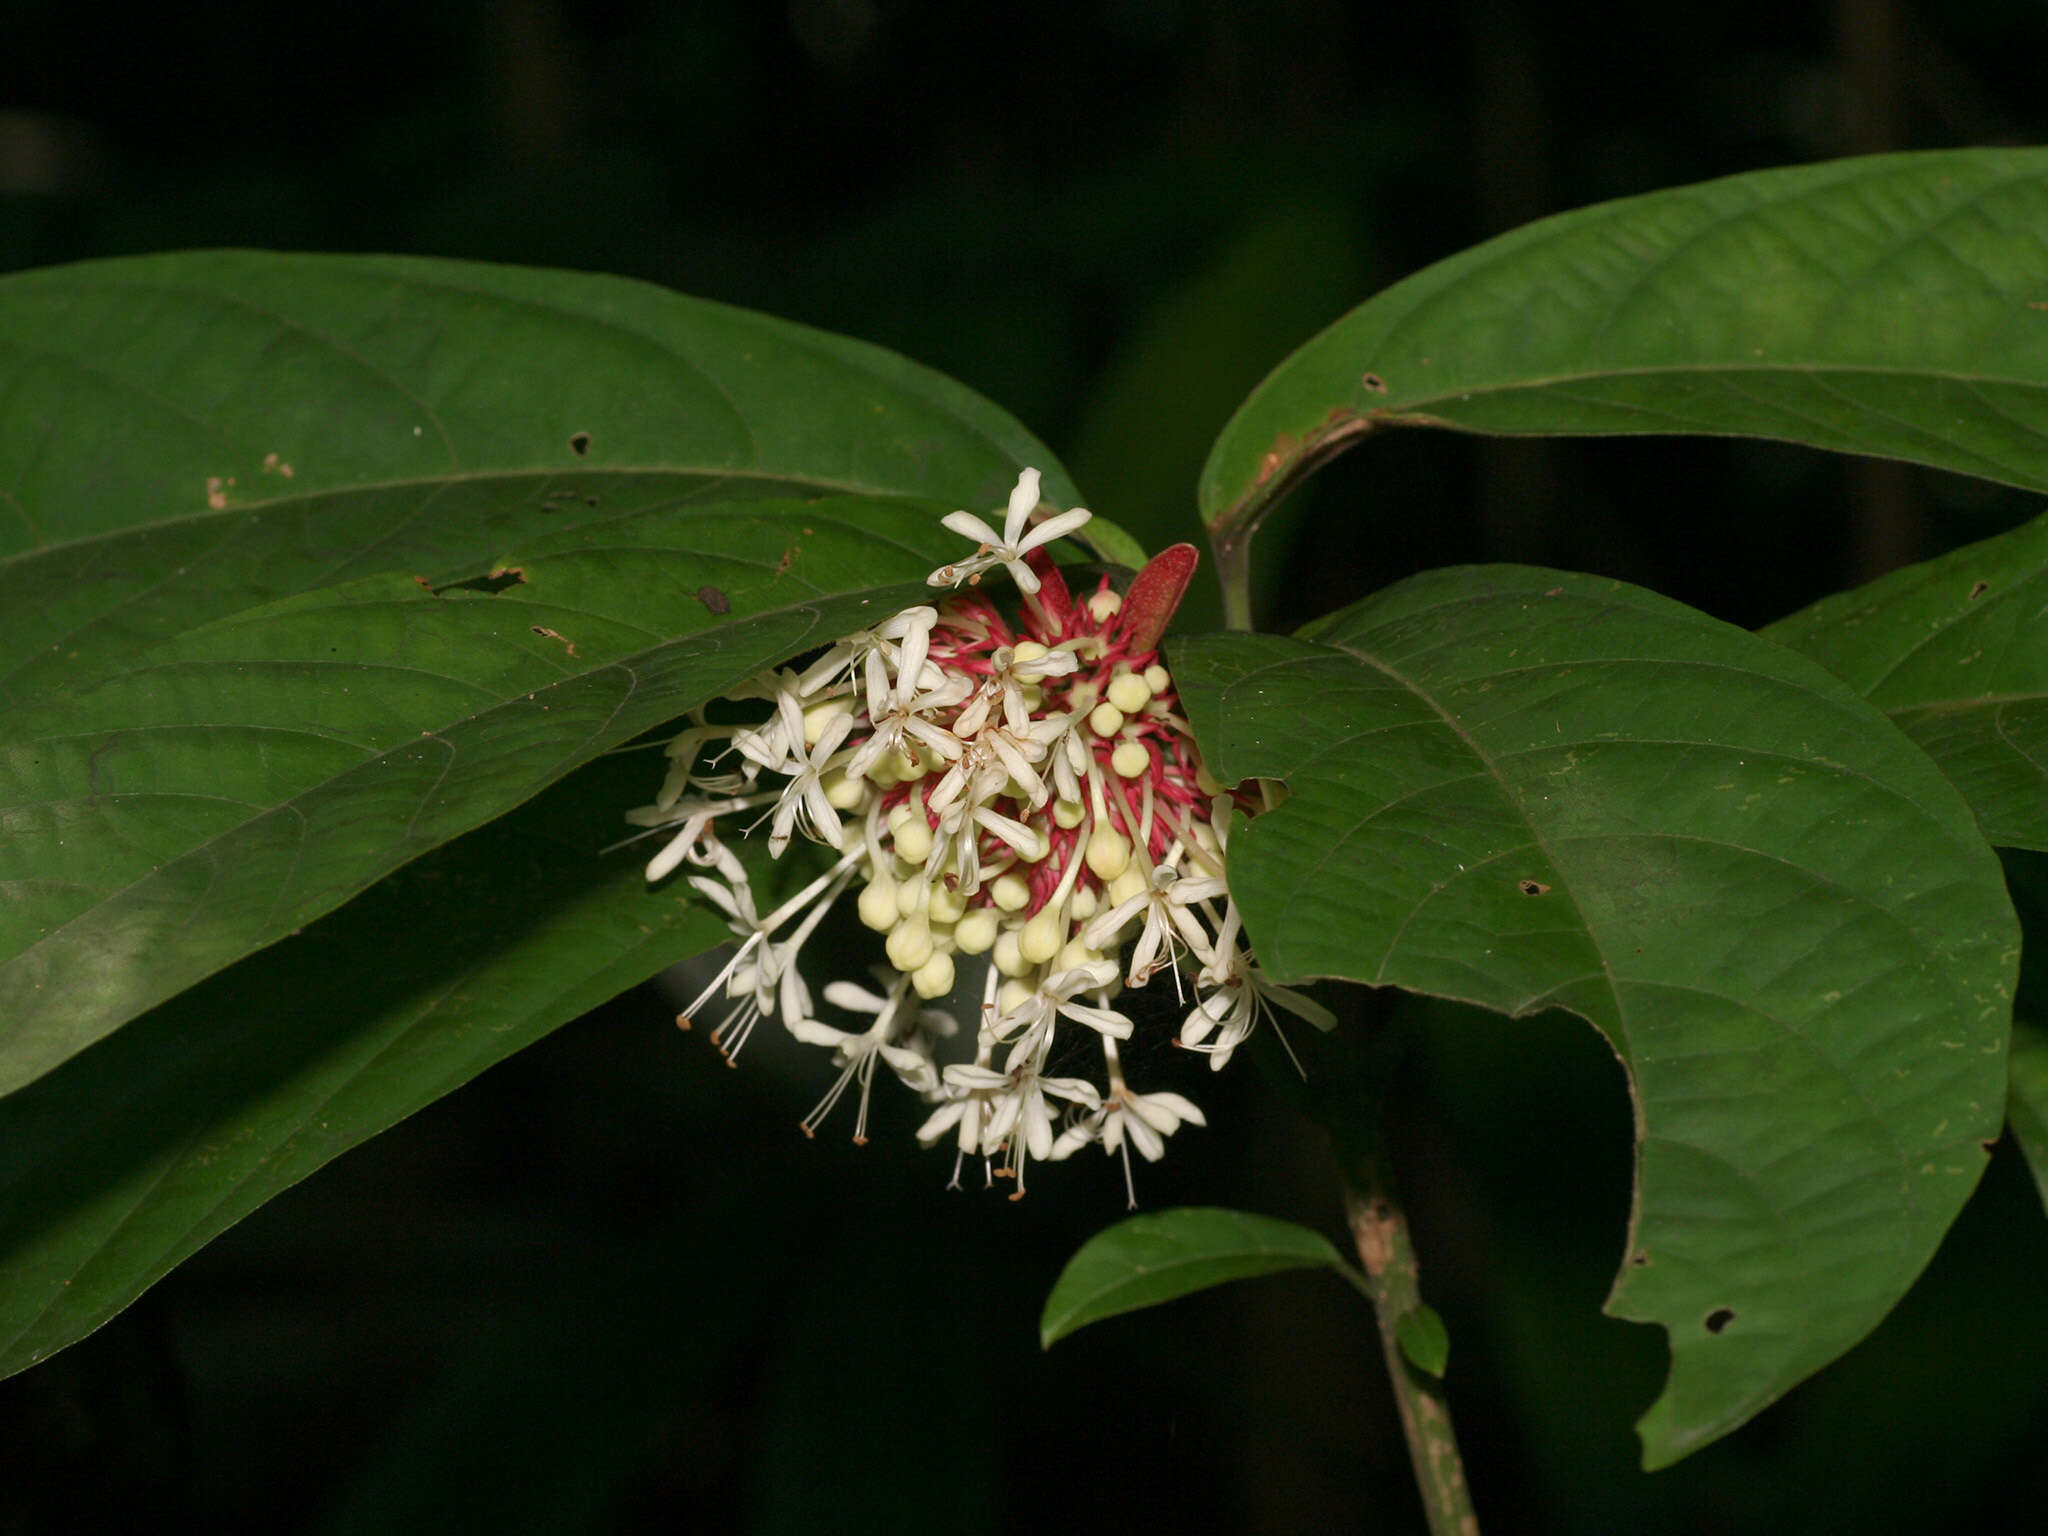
[(1531, 790), (128, 1158), (1893, 306), (324, 561), (1955, 652)]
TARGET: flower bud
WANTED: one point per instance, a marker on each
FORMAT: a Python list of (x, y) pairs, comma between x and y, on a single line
[(910, 944), (1129, 692), (1043, 935), (934, 978), (878, 903), (976, 932), (1108, 850)]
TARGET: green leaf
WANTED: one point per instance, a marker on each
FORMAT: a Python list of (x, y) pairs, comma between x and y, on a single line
[(123, 1162), (323, 561), (1424, 1340), (2026, 1105), (1955, 652), (1531, 790), (1893, 306), (1164, 1255)]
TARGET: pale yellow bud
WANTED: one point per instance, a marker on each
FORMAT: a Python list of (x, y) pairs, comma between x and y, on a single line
[(1027, 650), (1130, 760), (1082, 904), (914, 839), (1108, 851), (976, 932), (1104, 604), (1126, 885), (911, 897), (1074, 953), (946, 904), (842, 793), (1009, 954), (1043, 935), (818, 716), (934, 978), (1068, 814), (910, 944), (1106, 719), (904, 768), (878, 903), (1010, 891), (1129, 692), (1157, 678), (1012, 995)]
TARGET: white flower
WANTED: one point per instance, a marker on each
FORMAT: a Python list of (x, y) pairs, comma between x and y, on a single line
[(1009, 547), (856, 1053), (1125, 1120), (1021, 1124)]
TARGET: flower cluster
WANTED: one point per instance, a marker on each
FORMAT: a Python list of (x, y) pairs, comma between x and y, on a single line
[(1010, 793)]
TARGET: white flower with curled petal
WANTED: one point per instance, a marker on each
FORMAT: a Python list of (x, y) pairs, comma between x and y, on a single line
[(856, 1052), (1022, 1121), (804, 798), (1009, 547), (1125, 1120)]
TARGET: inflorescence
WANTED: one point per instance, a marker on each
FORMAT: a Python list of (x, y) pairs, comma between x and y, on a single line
[(1015, 795)]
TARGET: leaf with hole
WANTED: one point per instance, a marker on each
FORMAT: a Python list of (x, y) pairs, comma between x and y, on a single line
[(313, 563), (1532, 790)]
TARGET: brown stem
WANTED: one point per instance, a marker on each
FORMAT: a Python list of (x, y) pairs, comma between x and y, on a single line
[(1380, 1232)]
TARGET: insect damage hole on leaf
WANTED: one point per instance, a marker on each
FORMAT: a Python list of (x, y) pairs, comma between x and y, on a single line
[(579, 443), (1979, 589), (492, 585), (554, 634), (1532, 887), (1719, 1319)]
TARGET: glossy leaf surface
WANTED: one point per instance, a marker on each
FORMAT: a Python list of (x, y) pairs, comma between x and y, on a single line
[(1955, 650), (1532, 790), (1893, 306), (319, 562), (1164, 1255)]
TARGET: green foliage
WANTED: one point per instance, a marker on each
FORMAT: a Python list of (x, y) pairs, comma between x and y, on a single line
[(1533, 790), (125, 1160), (1425, 1342), (330, 583), (1162, 1256), (1890, 306), (1952, 650), (371, 551)]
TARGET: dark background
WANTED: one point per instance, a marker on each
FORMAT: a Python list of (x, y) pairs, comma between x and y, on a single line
[(608, 1287)]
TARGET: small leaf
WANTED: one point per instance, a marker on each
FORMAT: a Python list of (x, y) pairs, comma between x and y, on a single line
[(1892, 306), (1164, 1255), (2026, 1105), (1955, 652), (1424, 1339), (1532, 790)]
